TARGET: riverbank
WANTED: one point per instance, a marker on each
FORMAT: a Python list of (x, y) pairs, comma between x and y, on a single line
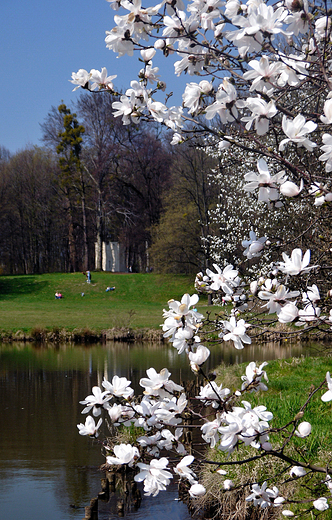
[(114, 306), (82, 336)]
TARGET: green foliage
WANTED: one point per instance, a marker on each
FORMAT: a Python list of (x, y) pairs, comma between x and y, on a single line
[(70, 145), (178, 243)]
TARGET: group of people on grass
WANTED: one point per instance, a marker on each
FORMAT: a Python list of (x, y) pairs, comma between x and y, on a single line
[(58, 295)]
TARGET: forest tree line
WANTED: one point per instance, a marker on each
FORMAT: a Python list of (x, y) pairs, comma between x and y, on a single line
[(96, 180)]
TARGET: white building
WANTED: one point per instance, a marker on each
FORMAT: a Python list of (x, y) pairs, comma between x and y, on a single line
[(113, 257)]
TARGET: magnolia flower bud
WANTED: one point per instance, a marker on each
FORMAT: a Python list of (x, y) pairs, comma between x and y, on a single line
[(253, 287), (228, 484), (197, 490), (205, 86), (159, 44), (161, 85), (287, 512), (200, 356), (289, 189), (303, 429), (321, 504), (294, 5), (223, 145), (297, 471), (298, 416), (147, 54)]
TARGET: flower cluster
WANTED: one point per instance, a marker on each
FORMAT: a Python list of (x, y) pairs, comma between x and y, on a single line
[(264, 91), (164, 405)]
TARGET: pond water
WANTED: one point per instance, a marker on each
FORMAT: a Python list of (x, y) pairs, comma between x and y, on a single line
[(47, 470)]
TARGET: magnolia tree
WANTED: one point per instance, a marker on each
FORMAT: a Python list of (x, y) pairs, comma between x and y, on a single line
[(264, 90), (238, 212)]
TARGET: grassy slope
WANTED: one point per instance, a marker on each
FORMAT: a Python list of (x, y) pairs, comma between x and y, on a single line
[(289, 384), (138, 300)]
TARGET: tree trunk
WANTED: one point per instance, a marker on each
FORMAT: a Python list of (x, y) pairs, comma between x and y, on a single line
[(99, 238), (71, 236), (85, 237)]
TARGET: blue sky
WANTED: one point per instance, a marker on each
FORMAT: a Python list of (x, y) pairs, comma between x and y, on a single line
[(41, 43)]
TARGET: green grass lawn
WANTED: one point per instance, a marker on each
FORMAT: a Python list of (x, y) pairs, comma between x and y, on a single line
[(290, 382), (138, 300)]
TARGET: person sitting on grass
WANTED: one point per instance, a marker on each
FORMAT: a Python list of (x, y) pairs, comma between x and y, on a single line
[(58, 296)]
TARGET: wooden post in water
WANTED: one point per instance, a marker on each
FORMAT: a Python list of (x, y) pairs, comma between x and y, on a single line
[(91, 511), (104, 493)]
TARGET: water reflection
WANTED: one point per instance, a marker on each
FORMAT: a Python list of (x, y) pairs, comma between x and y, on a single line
[(45, 466)]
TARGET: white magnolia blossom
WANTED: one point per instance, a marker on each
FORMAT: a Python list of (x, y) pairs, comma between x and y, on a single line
[(228, 484), (262, 496), (261, 113), (309, 313), (156, 381), (181, 309), (199, 357), (154, 475), (269, 51), (297, 131), (182, 336), (290, 189), (224, 280), (237, 332), (327, 149), (327, 117), (80, 78), (212, 394), (254, 245), (254, 377), (183, 471), (288, 313), (311, 295), (245, 424), (124, 108), (100, 80), (295, 264), (294, 68), (150, 443), (276, 300), (120, 387), (115, 412), (210, 431), (328, 395), (225, 104), (96, 401), (193, 92), (169, 441), (268, 185), (264, 73), (124, 454), (90, 427)]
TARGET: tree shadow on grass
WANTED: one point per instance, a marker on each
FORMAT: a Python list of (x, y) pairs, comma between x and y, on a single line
[(14, 287)]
